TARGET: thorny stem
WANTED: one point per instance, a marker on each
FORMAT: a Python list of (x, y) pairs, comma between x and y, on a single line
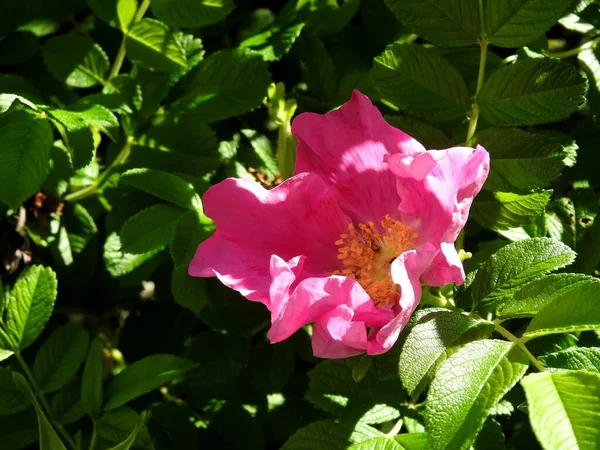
[(520, 342), (576, 50), (43, 400), (116, 67), (100, 183)]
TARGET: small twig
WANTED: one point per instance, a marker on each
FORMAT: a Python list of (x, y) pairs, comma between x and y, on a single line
[(520, 342)]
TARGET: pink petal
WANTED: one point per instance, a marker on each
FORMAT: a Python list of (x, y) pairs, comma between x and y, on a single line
[(295, 305), (406, 271), (347, 147), (336, 335), (299, 217), (436, 205)]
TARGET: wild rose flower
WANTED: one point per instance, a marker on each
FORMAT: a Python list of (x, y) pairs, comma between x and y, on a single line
[(347, 242)]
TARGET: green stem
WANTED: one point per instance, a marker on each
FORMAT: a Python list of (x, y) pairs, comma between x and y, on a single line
[(141, 11), (94, 437), (576, 50), (474, 116), (520, 342), (43, 400), (120, 58), (102, 180)]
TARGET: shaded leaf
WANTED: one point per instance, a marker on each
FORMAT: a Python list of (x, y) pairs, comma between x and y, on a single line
[(59, 357), (225, 84), (76, 60), (144, 376), (149, 229), (25, 144), (420, 81), (531, 92), (92, 382)]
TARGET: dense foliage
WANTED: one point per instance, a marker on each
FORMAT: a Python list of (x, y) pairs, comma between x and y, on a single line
[(117, 115)]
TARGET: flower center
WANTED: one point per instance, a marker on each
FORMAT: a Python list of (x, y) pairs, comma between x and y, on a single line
[(367, 251)]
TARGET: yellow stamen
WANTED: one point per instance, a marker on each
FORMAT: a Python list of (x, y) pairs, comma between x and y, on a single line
[(367, 250)]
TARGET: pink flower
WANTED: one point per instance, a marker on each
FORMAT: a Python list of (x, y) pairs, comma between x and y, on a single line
[(347, 242)]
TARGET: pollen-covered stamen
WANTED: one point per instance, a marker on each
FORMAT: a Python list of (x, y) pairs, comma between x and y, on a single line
[(367, 250)]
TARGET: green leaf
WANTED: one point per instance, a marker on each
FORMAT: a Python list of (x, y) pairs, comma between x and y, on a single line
[(153, 45), (448, 23), (428, 135), (330, 435), (515, 265), (574, 310), (129, 442), (420, 81), (99, 118), (144, 376), (12, 400), (19, 430), (226, 84), (193, 228), (564, 409), (49, 440), (317, 66), (191, 13), (2, 299), (332, 389), (76, 60), (59, 357), (92, 382), (264, 150), (66, 404), (457, 23), (523, 160), (149, 229), (428, 344), (574, 358), (119, 263), (80, 227), (539, 293), (31, 301), (25, 144), (275, 42), (466, 387), (222, 360), (76, 134), (531, 92), (118, 13), (116, 427), (163, 185), (510, 24), (505, 210), (490, 437), (272, 365), (413, 441), (189, 292), (466, 61)]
